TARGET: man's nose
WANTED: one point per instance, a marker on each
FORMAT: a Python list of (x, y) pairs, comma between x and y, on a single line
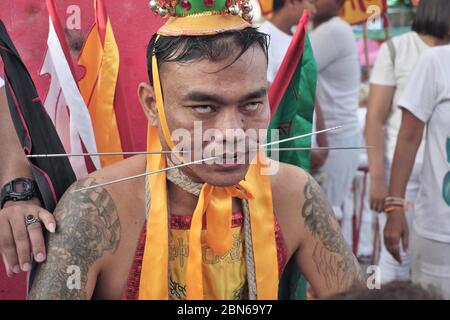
[(230, 118), (231, 125)]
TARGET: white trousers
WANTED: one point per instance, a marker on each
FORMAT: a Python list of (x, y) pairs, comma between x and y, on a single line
[(340, 169), (431, 264), (358, 203)]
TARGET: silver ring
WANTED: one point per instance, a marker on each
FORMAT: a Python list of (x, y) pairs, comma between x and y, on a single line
[(30, 219)]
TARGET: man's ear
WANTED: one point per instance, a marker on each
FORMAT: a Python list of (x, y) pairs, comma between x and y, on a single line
[(147, 99)]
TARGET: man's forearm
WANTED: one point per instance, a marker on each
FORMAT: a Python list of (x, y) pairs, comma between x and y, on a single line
[(13, 163)]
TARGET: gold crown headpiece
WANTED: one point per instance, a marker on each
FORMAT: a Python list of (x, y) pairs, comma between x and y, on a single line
[(202, 17)]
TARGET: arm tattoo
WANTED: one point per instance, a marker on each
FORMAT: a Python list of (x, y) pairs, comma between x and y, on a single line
[(332, 256), (88, 227)]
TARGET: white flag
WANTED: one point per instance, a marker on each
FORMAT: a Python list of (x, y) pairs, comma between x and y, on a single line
[(66, 106)]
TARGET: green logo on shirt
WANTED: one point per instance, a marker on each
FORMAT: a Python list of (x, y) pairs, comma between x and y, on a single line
[(446, 186)]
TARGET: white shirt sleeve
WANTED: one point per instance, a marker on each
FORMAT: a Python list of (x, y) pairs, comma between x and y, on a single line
[(2, 82), (324, 44), (421, 94), (383, 70), (330, 41)]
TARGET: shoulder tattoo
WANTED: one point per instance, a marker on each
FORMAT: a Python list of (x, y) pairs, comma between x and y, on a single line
[(88, 226)]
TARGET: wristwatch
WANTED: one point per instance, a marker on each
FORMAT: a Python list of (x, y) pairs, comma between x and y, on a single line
[(20, 189)]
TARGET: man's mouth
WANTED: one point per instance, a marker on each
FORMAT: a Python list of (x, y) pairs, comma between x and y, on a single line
[(231, 160)]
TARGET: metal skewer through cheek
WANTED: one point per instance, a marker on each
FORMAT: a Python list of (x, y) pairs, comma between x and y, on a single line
[(197, 161), (131, 153)]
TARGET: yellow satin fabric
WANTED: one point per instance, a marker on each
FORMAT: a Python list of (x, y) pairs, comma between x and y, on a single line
[(98, 88), (217, 203)]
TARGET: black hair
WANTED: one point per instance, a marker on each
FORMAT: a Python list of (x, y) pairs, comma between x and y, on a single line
[(433, 18), (214, 47), (278, 5)]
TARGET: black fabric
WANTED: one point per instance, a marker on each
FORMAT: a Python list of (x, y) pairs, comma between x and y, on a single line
[(34, 127)]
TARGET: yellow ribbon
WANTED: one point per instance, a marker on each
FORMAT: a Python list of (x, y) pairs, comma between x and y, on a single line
[(217, 203)]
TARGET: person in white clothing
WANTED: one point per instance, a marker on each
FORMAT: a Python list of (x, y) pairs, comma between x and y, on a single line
[(424, 102), (286, 14), (395, 61), (339, 76)]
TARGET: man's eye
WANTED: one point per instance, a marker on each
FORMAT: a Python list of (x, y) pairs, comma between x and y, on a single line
[(203, 109), (252, 106)]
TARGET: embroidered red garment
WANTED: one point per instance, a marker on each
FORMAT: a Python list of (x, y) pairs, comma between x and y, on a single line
[(183, 222)]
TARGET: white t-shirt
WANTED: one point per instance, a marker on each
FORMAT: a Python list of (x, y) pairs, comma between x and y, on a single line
[(339, 75), (427, 96), (2, 82), (408, 49), (279, 45)]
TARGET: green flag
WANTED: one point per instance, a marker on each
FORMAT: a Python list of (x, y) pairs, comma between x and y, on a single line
[(291, 98)]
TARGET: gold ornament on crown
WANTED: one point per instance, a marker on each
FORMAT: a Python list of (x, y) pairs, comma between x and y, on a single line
[(167, 8)]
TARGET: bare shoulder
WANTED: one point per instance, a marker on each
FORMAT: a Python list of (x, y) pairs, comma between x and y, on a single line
[(297, 192), (288, 183), (88, 197), (126, 194), (296, 196), (288, 179), (125, 168)]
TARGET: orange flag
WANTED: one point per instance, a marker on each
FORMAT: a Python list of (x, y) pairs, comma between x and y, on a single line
[(266, 7), (359, 11), (100, 58)]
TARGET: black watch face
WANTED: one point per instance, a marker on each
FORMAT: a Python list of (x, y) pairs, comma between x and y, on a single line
[(18, 190), (21, 187)]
